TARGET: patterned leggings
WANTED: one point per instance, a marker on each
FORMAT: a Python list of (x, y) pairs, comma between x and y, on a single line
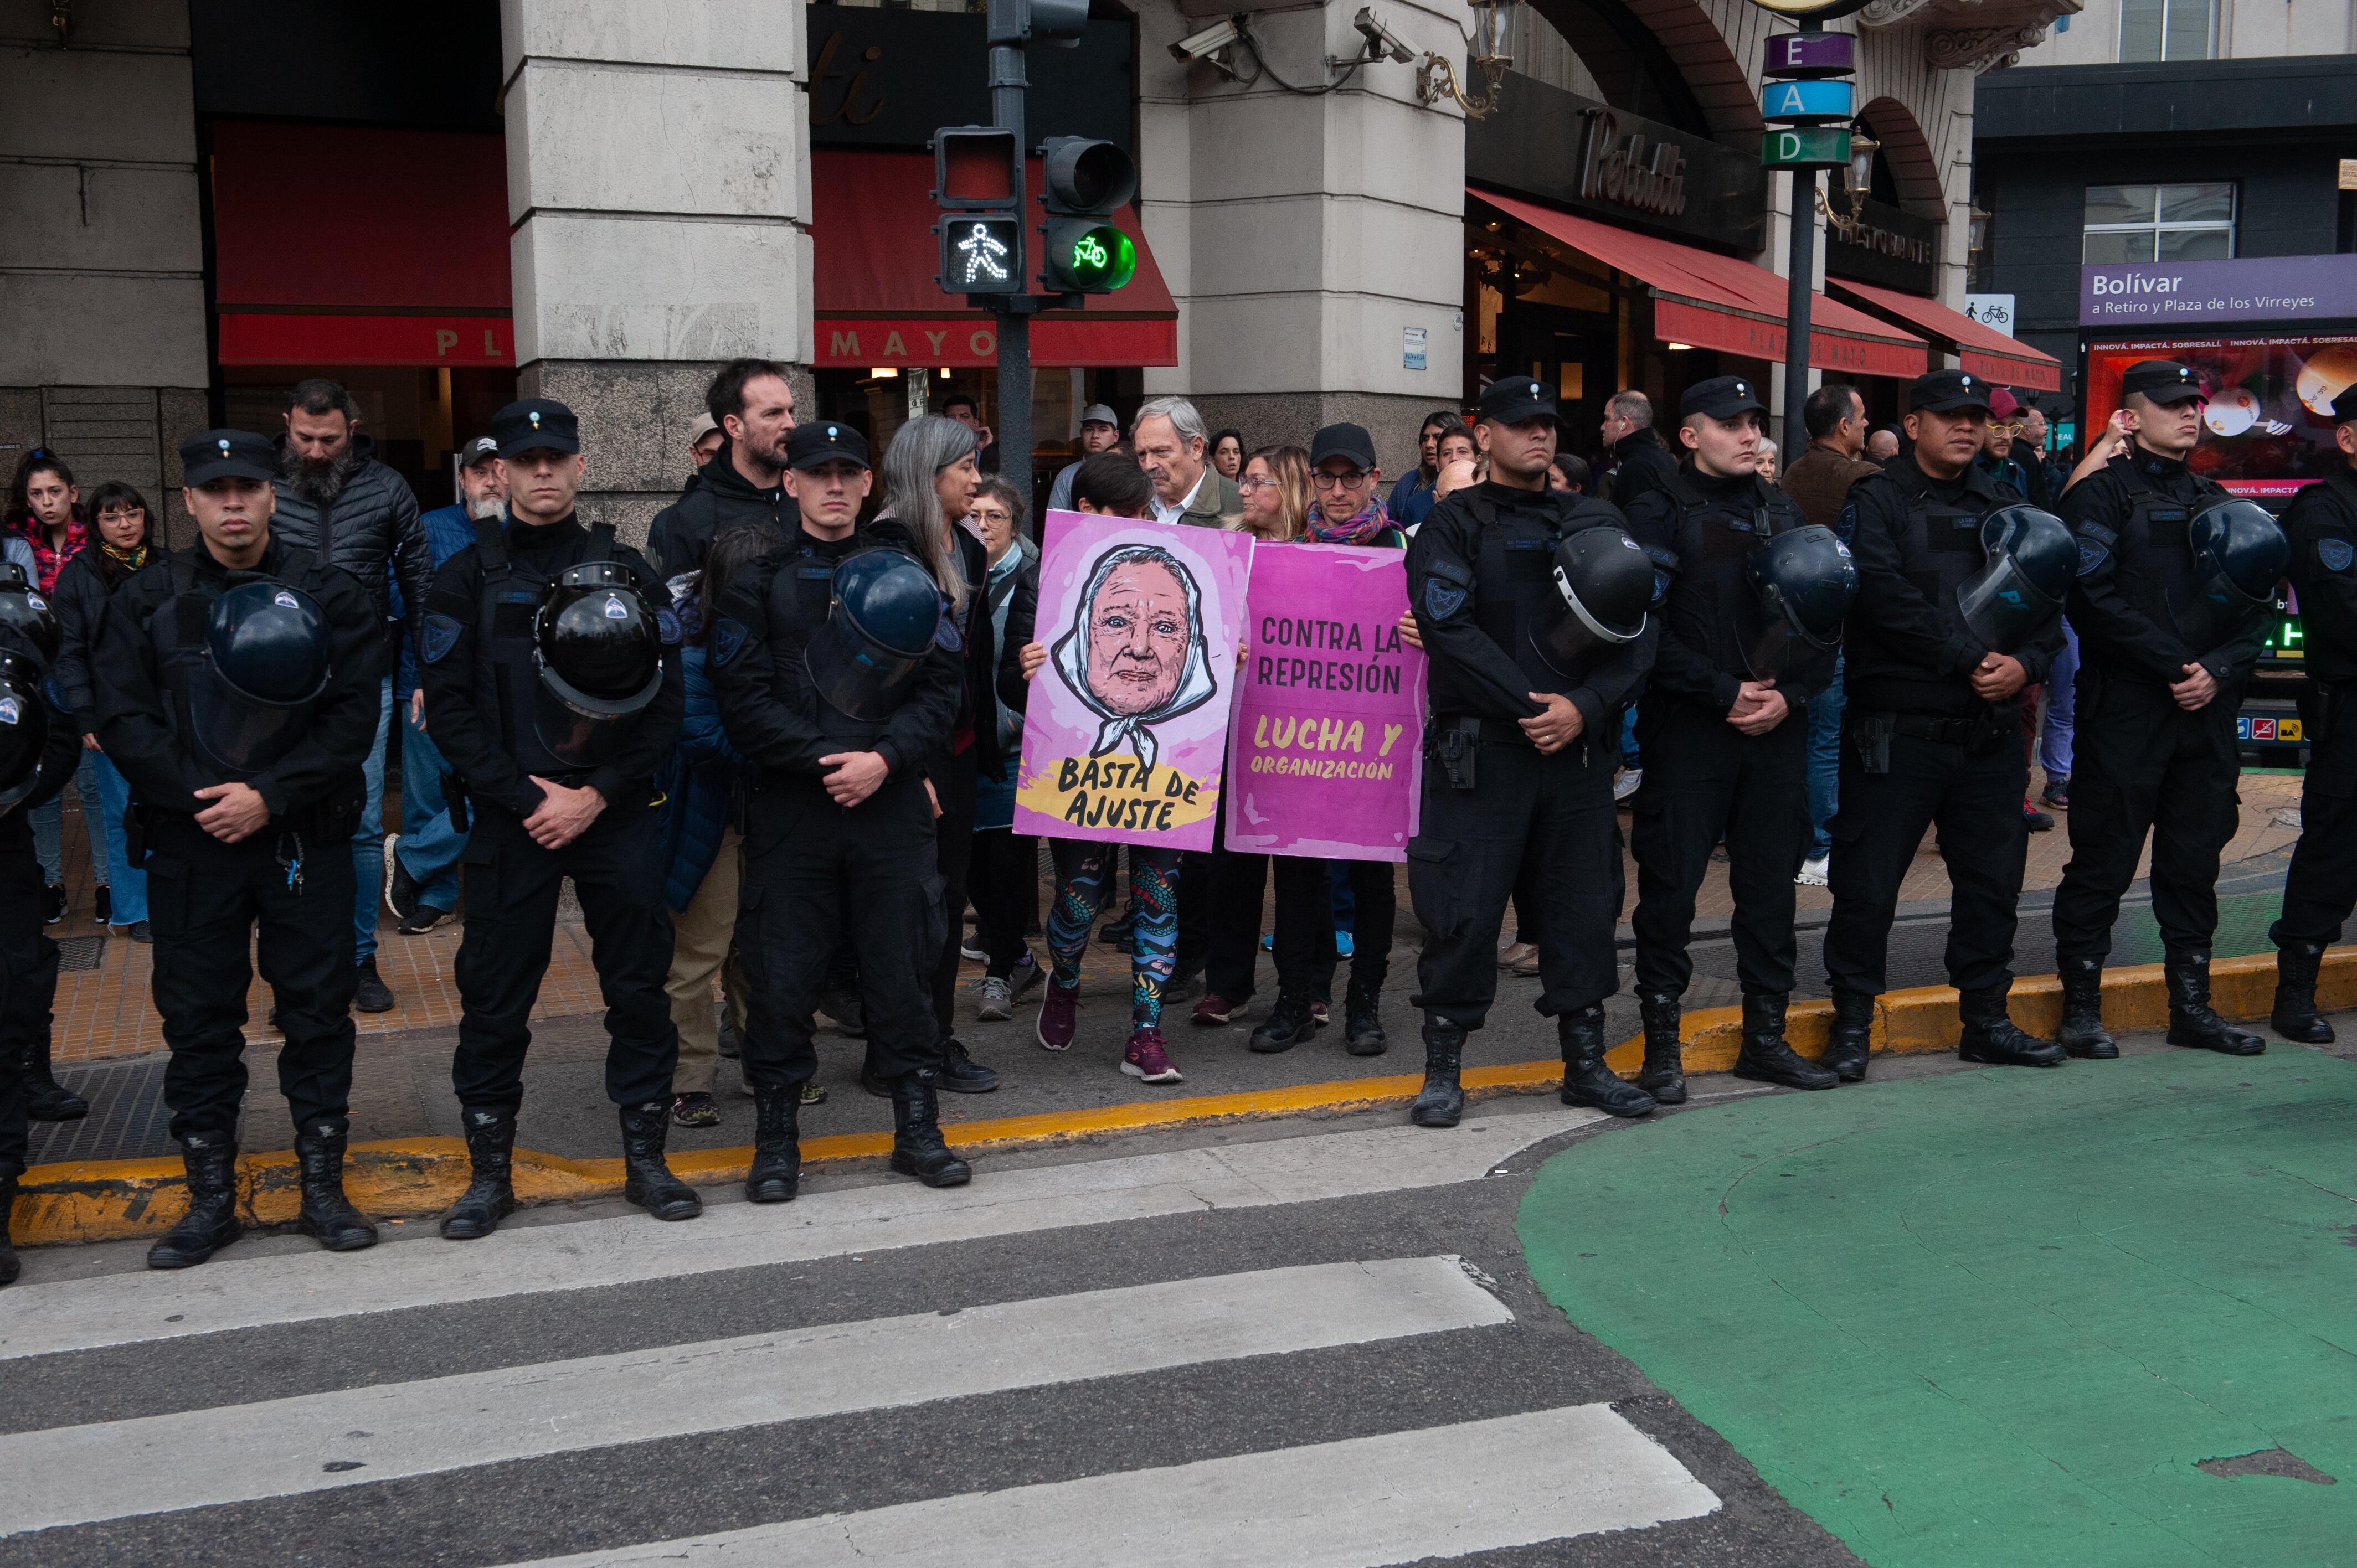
[(1083, 873)]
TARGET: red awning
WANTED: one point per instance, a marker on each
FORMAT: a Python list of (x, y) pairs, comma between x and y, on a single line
[(1984, 351), (1718, 302), (871, 226), (335, 245)]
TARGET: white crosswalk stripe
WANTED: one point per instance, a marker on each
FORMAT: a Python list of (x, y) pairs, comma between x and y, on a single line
[(1439, 1492), (232, 1292), (314, 1442)]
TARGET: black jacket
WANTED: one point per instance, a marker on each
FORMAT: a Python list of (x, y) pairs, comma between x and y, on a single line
[(470, 738), (1902, 651), (2118, 636), (372, 523), (717, 498), (133, 713), (1641, 463), (2321, 525), (80, 599)]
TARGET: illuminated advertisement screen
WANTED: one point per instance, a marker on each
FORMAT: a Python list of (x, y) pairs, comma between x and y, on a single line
[(2268, 428)]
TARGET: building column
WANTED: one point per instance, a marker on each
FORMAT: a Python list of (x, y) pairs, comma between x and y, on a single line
[(104, 360), (659, 183), (1304, 236)]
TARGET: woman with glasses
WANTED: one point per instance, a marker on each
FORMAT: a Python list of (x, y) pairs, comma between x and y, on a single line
[(1006, 872), (1275, 484)]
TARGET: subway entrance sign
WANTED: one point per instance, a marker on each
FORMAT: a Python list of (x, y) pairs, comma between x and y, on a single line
[(1806, 146)]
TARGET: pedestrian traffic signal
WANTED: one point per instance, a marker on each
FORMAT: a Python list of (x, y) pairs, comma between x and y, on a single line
[(1086, 252), (981, 230), (982, 253)]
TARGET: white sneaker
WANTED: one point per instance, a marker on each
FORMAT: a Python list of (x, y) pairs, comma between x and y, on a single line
[(1626, 784), (1812, 872), (998, 1000), (973, 952)]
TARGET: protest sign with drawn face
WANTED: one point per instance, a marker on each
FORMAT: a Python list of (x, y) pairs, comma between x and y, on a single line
[(1125, 735)]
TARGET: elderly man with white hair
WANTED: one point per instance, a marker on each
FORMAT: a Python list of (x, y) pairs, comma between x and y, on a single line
[(1175, 450)]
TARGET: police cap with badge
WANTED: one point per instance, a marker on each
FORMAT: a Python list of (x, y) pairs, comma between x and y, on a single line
[(535, 425), (29, 647), (2163, 381), (1510, 400), (1722, 397), (821, 442), (1946, 392)]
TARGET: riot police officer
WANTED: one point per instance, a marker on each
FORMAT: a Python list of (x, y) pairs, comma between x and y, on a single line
[(38, 752), (1531, 604), (552, 687), (2322, 887), (1751, 603), (235, 686), (838, 677), (2164, 648), (1959, 607)]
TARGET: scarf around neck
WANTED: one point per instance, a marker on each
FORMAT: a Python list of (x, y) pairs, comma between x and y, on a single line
[(1370, 520)]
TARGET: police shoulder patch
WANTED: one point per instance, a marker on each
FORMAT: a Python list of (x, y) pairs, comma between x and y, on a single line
[(947, 636), (2091, 556), (1846, 525), (667, 627), (2099, 533), (438, 637), (1442, 598), (727, 636), (2335, 554)]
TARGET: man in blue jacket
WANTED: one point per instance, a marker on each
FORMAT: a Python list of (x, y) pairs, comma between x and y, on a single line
[(421, 875)]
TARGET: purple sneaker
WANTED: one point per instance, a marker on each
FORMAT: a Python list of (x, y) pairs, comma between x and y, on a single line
[(1148, 1059), (1059, 1016)]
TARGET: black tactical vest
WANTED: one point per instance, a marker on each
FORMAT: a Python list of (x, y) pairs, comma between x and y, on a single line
[(1941, 549), (2161, 571), (2328, 607), (801, 594), (1514, 567), (180, 626), (1711, 608), (507, 676)]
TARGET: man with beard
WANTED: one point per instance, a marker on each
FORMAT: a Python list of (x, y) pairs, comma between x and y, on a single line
[(336, 500), (421, 875), (743, 482)]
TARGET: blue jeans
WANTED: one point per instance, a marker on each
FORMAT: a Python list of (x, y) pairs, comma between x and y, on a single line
[(130, 895), (430, 843), (1630, 755), (1825, 762), (368, 844), (49, 827), (2062, 708)]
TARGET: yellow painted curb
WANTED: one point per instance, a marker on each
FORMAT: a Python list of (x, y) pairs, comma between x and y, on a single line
[(113, 1200)]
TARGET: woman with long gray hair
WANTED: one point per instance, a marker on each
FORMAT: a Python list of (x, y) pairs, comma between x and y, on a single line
[(930, 475)]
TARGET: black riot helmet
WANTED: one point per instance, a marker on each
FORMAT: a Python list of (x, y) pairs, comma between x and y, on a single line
[(1603, 581), (2019, 591), (24, 721), (886, 616), (1805, 580), (25, 612), (2239, 557), (599, 648), (266, 663)]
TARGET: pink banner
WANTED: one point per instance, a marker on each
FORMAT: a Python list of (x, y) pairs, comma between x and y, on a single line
[(1125, 735), (1327, 750)]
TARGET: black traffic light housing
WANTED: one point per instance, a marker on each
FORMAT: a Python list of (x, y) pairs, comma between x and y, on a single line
[(981, 225), (1087, 181)]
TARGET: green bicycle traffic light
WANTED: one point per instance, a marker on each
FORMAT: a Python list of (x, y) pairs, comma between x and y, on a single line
[(1088, 257), (1087, 181)]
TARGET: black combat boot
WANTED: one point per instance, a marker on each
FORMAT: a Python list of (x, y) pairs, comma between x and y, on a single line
[(1664, 1076), (647, 1181), (9, 1267), (1765, 1056), (1990, 1036), (2294, 1016), (210, 1222), (917, 1146), (327, 1213), (1363, 1025), (2082, 1033), (1287, 1024), (1850, 1040), (1586, 1079), (490, 1196), (47, 1099), (2191, 1021), (777, 1173), (1442, 1099)]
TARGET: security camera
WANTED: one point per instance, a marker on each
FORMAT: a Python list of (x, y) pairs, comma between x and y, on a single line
[(1382, 42), (1205, 44)]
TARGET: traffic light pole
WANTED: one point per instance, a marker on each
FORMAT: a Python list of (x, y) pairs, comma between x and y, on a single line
[(1803, 261), (1007, 85)]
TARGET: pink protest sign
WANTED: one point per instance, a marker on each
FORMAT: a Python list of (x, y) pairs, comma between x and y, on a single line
[(1127, 732), (1327, 750)]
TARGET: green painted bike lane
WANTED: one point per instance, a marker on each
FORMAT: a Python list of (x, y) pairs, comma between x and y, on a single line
[(1999, 1317)]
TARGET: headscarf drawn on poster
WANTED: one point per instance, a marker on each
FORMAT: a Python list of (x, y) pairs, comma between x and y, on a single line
[(1125, 735)]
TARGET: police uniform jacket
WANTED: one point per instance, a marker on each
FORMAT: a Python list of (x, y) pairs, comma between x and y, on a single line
[(134, 712), (1700, 530), (60, 756), (1915, 541), (479, 738), (772, 711), (2132, 519), (1479, 570), (2321, 525)]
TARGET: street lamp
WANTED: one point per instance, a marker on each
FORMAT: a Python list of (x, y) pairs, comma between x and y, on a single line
[(1493, 45), (1857, 180)]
